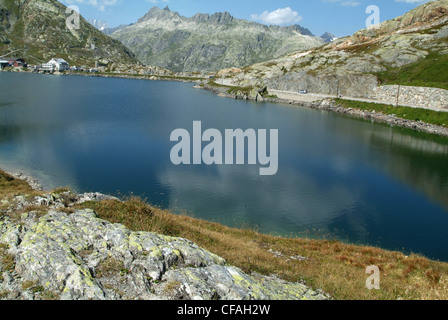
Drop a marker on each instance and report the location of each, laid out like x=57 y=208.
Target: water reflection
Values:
x=294 y=203
x=349 y=179
x=417 y=162
x=417 y=159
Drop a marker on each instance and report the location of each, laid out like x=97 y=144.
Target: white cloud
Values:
x=278 y=17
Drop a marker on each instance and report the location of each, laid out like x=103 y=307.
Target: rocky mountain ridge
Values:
x=328 y=37
x=207 y=42
x=36 y=31
x=351 y=65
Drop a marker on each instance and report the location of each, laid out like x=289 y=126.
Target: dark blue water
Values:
x=338 y=177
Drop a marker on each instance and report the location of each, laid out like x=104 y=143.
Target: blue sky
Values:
x=340 y=17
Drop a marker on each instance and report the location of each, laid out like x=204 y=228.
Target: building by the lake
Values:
x=56 y=64
x=12 y=62
x=3 y=63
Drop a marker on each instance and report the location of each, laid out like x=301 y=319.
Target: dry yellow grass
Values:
x=337 y=268
x=10 y=185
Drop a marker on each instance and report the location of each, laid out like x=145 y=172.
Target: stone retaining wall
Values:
x=349 y=85
x=433 y=98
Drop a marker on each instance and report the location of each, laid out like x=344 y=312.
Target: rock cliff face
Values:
x=355 y=61
x=209 y=42
x=36 y=30
x=48 y=253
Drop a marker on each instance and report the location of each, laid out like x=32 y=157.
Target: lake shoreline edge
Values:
x=331 y=106
x=328 y=105
x=101 y=206
x=359 y=249
x=51 y=230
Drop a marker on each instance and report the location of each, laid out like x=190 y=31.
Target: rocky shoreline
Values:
x=329 y=105
x=33 y=182
x=50 y=250
x=139 y=77
x=135 y=76
x=326 y=105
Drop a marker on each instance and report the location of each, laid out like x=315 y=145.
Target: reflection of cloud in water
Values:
x=287 y=202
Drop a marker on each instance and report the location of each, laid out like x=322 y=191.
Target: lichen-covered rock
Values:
x=230 y=283
x=80 y=256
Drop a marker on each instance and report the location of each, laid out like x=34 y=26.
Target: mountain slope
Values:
x=209 y=42
x=355 y=65
x=37 y=29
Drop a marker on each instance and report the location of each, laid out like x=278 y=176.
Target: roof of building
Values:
x=57 y=60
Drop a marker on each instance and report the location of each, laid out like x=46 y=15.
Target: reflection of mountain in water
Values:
x=415 y=158
x=358 y=181
x=416 y=161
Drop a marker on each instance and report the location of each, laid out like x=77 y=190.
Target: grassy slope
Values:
x=335 y=267
x=439 y=118
x=10 y=186
x=24 y=35
x=429 y=72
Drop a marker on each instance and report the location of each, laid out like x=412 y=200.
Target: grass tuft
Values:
x=335 y=267
x=439 y=118
x=431 y=71
x=10 y=185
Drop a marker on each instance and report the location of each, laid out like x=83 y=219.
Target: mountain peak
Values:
x=216 y=18
x=221 y=18
x=99 y=24
x=166 y=14
x=210 y=42
x=328 y=37
x=159 y=14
